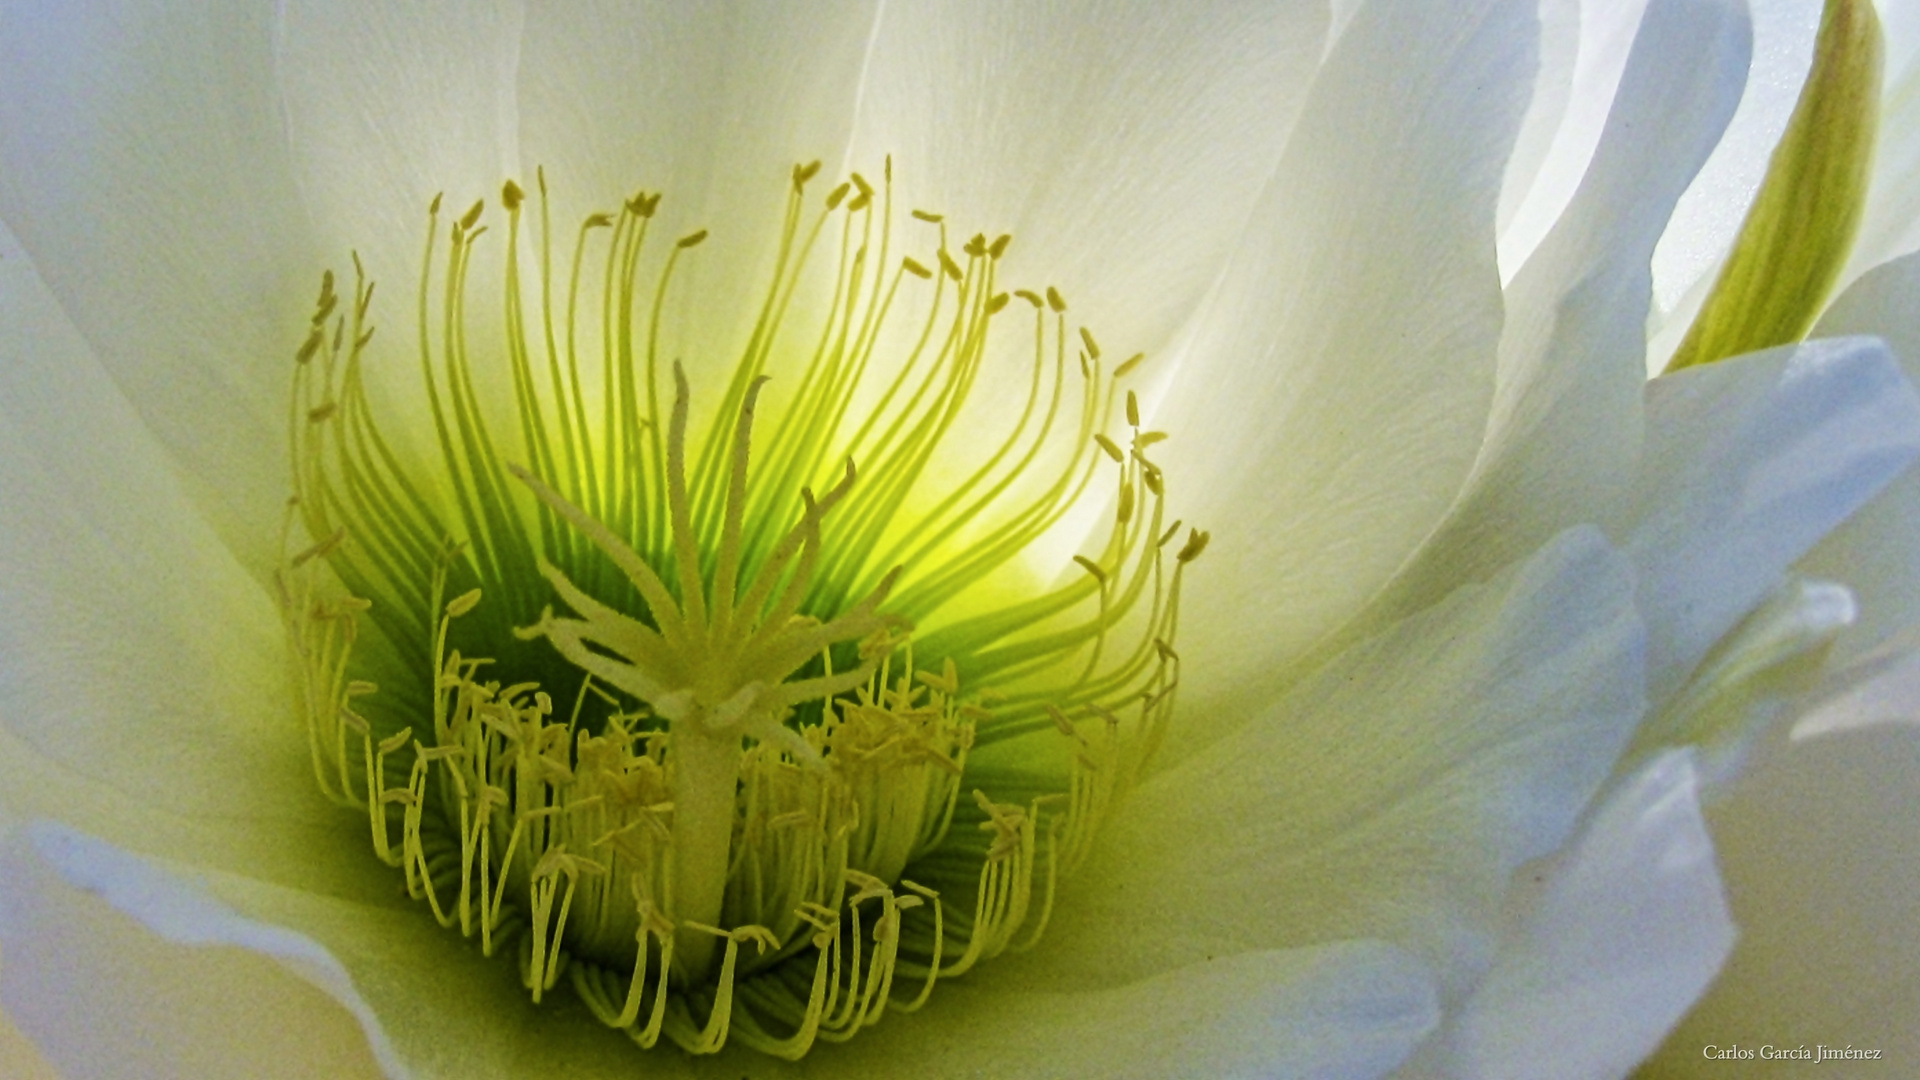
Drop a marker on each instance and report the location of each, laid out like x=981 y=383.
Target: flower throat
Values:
x=804 y=737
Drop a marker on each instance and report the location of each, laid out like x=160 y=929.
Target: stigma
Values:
x=723 y=684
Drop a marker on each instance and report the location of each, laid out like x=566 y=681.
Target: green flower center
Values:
x=785 y=760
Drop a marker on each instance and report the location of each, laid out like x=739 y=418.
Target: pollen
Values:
x=719 y=680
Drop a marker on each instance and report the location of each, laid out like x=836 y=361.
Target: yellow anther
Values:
x=1126 y=368
x=732 y=726
x=1133 y=409
x=463 y=603
x=1091 y=567
x=311 y=346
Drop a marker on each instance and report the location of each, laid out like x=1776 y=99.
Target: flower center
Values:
x=786 y=760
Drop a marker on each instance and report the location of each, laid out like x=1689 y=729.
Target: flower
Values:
x=1423 y=658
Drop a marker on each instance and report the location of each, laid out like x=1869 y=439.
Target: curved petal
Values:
x=1585 y=47
x=1354 y=1009
x=1566 y=422
x=386 y=105
x=1346 y=1011
x=1611 y=942
x=1749 y=462
x=142 y=165
x=1341 y=369
x=710 y=105
x=1391 y=795
x=1816 y=845
x=1709 y=215
x=1122 y=144
x=1878 y=549
x=144 y=685
x=117 y=970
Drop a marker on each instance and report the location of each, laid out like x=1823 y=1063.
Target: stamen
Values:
x=761 y=818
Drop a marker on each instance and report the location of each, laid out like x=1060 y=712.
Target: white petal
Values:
x=1710 y=213
x=1350 y=1010
x=1609 y=946
x=1354 y=1009
x=385 y=106
x=1121 y=144
x=1342 y=369
x=144 y=170
x=144 y=684
x=1566 y=420
x=1391 y=795
x=688 y=100
x=1585 y=46
x=1749 y=462
x=1877 y=551
x=116 y=969
x=710 y=105
x=1755 y=674
x=1816 y=846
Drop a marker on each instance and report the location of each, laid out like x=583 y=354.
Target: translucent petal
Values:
x=1584 y=51
x=710 y=105
x=1709 y=214
x=1121 y=144
x=1566 y=421
x=386 y=105
x=1354 y=1009
x=1391 y=795
x=116 y=969
x=1748 y=464
x=1816 y=846
x=143 y=165
x=1351 y=1010
x=1350 y=342
x=144 y=687
x=1878 y=549
x=1610 y=942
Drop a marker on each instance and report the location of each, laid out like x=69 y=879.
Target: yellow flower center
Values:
x=784 y=760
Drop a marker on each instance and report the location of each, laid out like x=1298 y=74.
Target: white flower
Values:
x=1446 y=586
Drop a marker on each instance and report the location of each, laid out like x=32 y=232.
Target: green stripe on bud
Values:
x=1801 y=227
